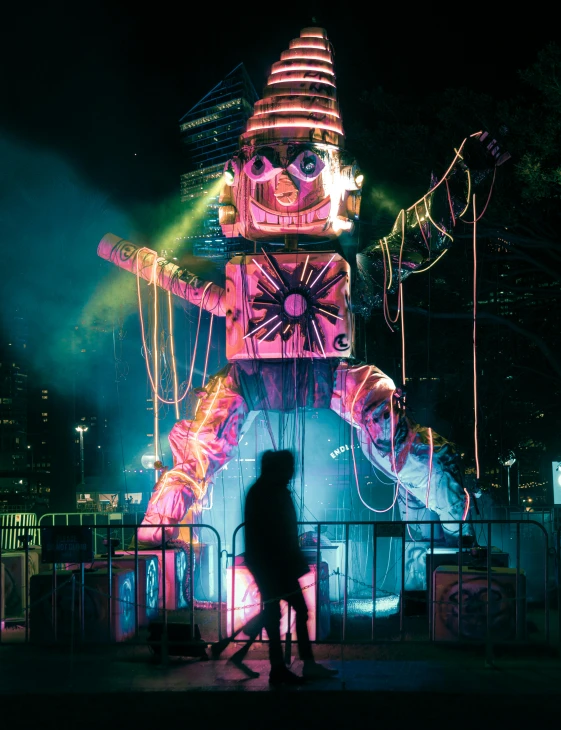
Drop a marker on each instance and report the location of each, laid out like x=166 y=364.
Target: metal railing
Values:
x=361 y=585
x=369 y=581
x=69 y=601
x=20 y=523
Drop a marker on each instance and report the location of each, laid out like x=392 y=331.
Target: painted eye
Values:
x=260 y=168
x=306 y=166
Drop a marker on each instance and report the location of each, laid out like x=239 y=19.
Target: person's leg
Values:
x=252 y=630
x=297 y=602
x=312 y=670
x=279 y=674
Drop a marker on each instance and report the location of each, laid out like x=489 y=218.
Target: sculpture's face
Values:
x=295 y=188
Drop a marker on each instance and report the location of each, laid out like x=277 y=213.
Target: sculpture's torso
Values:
x=289 y=304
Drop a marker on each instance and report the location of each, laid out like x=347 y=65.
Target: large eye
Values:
x=260 y=167
x=306 y=165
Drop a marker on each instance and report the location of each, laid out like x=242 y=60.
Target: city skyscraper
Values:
x=210 y=133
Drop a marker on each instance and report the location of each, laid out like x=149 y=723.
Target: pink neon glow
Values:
x=208 y=346
x=295 y=107
x=196 y=342
x=300 y=77
x=431 y=450
x=475 y=403
x=269 y=332
x=244 y=602
x=466 y=510
x=261 y=324
x=256 y=123
x=324 y=268
x=209 y=410
x=304 y=269
x=266 y=274
x=319 y=338
x=312 y=54
x=331 y=314
x=402 y=309
x=319 y=66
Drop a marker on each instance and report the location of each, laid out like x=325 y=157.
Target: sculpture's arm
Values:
x=424 y=232
x=153 y=268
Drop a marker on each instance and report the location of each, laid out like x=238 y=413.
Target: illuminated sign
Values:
x=340 y=449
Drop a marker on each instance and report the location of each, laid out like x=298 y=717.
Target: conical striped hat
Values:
x=300 y=98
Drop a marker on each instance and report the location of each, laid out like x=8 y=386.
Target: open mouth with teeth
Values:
x=302 y=221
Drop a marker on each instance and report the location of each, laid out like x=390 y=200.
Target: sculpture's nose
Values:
x=286 y=191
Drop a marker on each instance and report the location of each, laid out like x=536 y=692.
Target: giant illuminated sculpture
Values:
x=289 y=320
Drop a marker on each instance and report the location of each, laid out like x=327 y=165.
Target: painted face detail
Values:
x=286 y=189
x=291 y=176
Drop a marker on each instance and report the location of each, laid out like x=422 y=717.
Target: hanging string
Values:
x=393 y=459
x=403 y=376
x=475 y=404
x=156 y=361
x=208 y=346
x=197 y=338
x=173 y=360
x=153 y=377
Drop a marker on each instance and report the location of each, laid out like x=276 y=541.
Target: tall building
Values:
x=13 y=409
x=210 y=133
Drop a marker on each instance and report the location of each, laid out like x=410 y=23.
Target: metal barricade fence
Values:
x=122 y=524
x=21 y=521
x=65 y=587
x=366 y=574
x=470 y=598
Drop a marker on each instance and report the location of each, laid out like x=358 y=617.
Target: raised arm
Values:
x=154 y=269
x=425 y=231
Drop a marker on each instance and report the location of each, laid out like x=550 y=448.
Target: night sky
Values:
x=104 y=85
x=92 y=95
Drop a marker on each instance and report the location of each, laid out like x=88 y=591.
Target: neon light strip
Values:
x=197 y=338
x=319 y=338
x=329 y=313
x=401 y=310
x=458 y=156
x=260 y=339
x=210 y=407
x=250 y=334
x=323 y=67
x=431 y=450
x=321 y=272
x=419 y=223
x=386 y=251
x=208 y=346
x=304 y=269
x=197 y=445
x=266 y=274
x=372 y=509
x=302 y=77
x=278 y=108
x=156 y=358
x=255 y=124
x=420 y=271
x=438 y=228
x=173 y=361
x=466 y=510
x=475 y=404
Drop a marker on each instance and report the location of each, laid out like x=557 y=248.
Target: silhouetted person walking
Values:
x=274 y=557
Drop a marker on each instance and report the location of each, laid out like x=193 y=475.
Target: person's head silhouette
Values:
x=277 y=466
